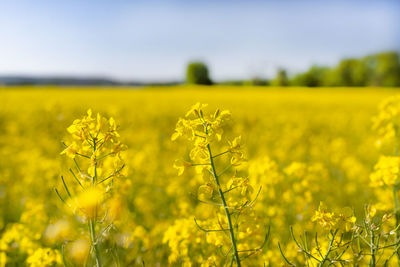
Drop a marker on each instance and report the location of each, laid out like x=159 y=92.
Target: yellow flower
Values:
x=215 y=239
x=118 y=147
x=79 y=250
x=205 y=191
x=88 y=201
x=181 y=165
x=44 y=257
x=71 y=150
x=186 y=128
x=386 y=171
x=326 y=219
x=371 y=211
x=196 y=109
x=3 y=259
x=237 y=158
x=57 y=232
x=346 y=219
x=235 y=145
x=342 y=220
x=199 y=153
x=115 y=206
x=242 y=184
x=387 y=123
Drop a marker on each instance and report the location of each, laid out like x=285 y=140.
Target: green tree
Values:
x=256 y=82
x=197 y=73
x=374 y=70
x=350 y=72
x=314 y=77
x=281 y=78
x=383 y=69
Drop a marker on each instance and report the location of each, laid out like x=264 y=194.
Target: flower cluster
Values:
x=229 y=198
x=96 y=151
x=95 y=139
x=203 y=129
x=44 y=257
x=342 y=220
x=387 y=121
x=386 y=171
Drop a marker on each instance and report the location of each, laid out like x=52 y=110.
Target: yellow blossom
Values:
x=181 y=165
x=205 y=191
x=386 y=171
x=325 y=218
x=79 y=250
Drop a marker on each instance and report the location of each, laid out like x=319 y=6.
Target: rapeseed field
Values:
x=199 y=176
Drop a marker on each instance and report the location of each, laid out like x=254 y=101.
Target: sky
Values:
x=154 y=40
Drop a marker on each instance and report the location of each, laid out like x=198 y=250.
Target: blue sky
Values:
x=154 y=40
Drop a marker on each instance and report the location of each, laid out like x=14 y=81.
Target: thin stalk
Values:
x=116 y=258
x=92 y=221
x=95 y=164
x=284 y=257
x=63 y=255
x=220 y=154
x=329 y=249
x=372 y=263
x=301 y=248
x=92 y=225
x=228 y=215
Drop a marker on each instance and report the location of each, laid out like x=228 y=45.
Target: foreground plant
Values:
x=95 y=149
x=332 y=247
x=375 y=240
x=386 y=175
x=232 y=197
x=344 y=242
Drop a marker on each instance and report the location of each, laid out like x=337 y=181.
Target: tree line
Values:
x=382 y=69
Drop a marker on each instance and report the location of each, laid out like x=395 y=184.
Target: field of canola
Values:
x=258 y=177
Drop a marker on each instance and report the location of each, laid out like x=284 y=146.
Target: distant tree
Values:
x=256 y=82
x=383 y=69
x=314 y=77
x=374 y=70
x=197 y=73
x=349 y=72
x=281 y=78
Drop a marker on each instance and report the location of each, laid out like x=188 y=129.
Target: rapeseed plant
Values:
x=96 y=152
x=377 y=233
x=334 y=246
x=387 y=170
x=234 y=197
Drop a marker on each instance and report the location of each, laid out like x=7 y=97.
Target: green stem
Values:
x=373 y=260
x=94 y=181
x=92 y=225
x=329 y=249
x=220 y=154
x=228 y=215
x=92 y=221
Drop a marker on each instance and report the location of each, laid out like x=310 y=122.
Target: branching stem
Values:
x=228 y=215
x=326 y=257
x=373 y=250
x=92 y=221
